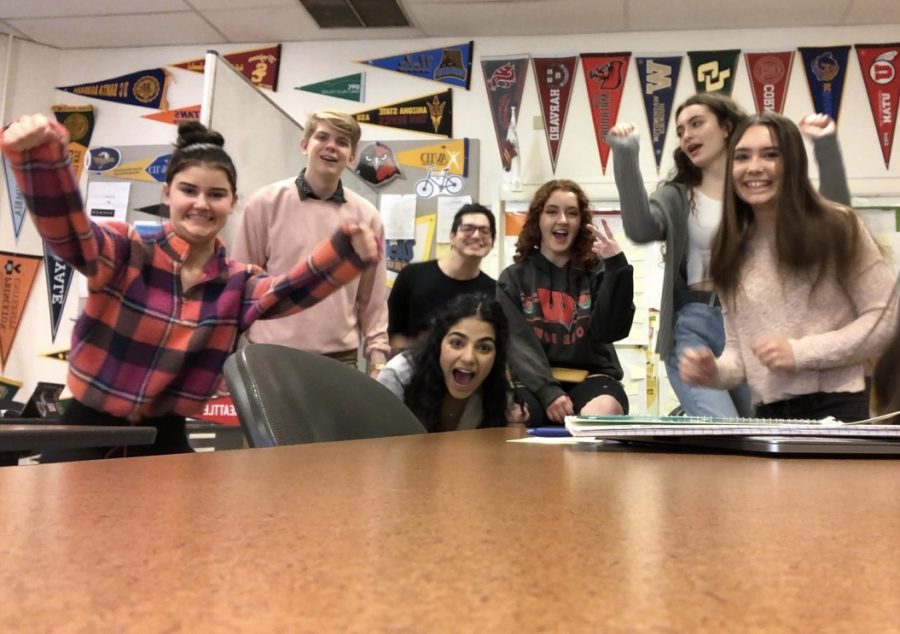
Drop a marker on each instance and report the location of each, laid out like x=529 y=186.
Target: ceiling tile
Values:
x=652 y=15
x=117 y=31
x=63 y=8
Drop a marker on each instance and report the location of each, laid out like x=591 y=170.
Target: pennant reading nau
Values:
x=259 y=65
x=878 y=63
x=769 y=73
x=79 y=123
x=826 y=69
x=59 y=279
x=17 y=273
x=713 y=71
x=554 y=77
x=176 y=116
x=349 y=87
x=448 y=64
x=431 y=114
x=504 y=79
x=604 y=75
x=16 y=199
x=145 y=88
x=658 y=77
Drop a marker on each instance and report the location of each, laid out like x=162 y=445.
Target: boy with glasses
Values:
x=424 y=287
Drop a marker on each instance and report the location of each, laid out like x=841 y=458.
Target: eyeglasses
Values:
x=468 y=230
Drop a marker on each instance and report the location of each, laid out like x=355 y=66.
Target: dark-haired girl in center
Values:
x=163 y=311
x=456 y=377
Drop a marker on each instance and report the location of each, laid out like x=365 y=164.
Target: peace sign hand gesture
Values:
x=605 y=245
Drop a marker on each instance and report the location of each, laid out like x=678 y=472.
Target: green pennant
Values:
x=713 y=71
x=349 y=87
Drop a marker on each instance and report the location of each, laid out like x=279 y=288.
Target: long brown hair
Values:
x=729 y=115
x=812 y=234
x=581 y=258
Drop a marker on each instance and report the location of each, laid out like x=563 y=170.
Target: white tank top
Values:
x=703 y=221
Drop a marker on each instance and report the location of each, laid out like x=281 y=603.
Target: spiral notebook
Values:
x=683 y=426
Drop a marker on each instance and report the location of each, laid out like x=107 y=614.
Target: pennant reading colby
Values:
x=879 y=65
x=176 y=116
x=658 y=77
x=259 y=65
x=349 y=87
x=604 y=75
x=16 y=199
x=713 y=71
x=79 y=123
x=769 y=73
x=826 y=69
x=59 y=279
x=448 y=64
x=145 y=88
x=17 y=273
x=431 y=114
x=554 y=77
x=504 y=79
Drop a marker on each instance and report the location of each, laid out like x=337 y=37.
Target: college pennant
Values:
x=148 y=170
x=16 y=199
x=59 y=355
x=770 y=73
x=145 y=88
x=59 y=279
x=879 y=65
x=554 y=77
x=259 y=65
x=349 y=87
x=8 y=388
x=826 y=68
x=452 y=156
x=219 y=410
x=604 y=76
x=431 y=114
x=658 y=77
x=448 y=64
x=17 y=273
x=79 y=123
x=713 y=71
x=176 y=116
x=504 y=79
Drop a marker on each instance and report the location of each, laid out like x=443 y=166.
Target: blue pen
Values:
x=549 y=432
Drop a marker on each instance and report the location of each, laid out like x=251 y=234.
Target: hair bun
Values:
x=193 y=132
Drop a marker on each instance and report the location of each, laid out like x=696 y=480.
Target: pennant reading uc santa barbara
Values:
x=145 y=88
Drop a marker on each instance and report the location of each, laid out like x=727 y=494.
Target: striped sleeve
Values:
x=332 y=264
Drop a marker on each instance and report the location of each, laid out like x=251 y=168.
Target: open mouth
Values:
x=463 y=377
x=560 y=235
x=693 y=148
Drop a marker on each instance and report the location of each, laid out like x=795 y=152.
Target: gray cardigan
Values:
x=664 y=216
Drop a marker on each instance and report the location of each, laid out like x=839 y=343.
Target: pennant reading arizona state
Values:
x=17 y=273
x=504 y=79
x=658 y=77
x=448 y=64
x=604 y=74
x=145 y=88
x=554 y=77
x=826 y=69
x=769 y=73
x=432 y=114
x=879 y=65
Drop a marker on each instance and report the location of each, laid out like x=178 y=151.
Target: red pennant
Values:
x=554 y=77
x=219 y=410
x=604 y=75
x=878 y=63
x=769 y=77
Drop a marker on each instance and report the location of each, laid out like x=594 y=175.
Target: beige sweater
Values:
x=832 y=328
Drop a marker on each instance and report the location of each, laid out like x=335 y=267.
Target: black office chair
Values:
x=285 y=396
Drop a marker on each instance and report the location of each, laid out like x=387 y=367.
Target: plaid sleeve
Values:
x=50 y=190
x=332 y=264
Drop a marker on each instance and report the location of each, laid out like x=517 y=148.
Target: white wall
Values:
x=34 y=70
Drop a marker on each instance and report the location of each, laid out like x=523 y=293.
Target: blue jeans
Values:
x=699 y=325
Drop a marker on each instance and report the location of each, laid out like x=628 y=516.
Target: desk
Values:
x=451 y=532
x=36 y=437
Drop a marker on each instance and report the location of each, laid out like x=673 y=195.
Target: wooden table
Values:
x=16 y=439
x=451 y=532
